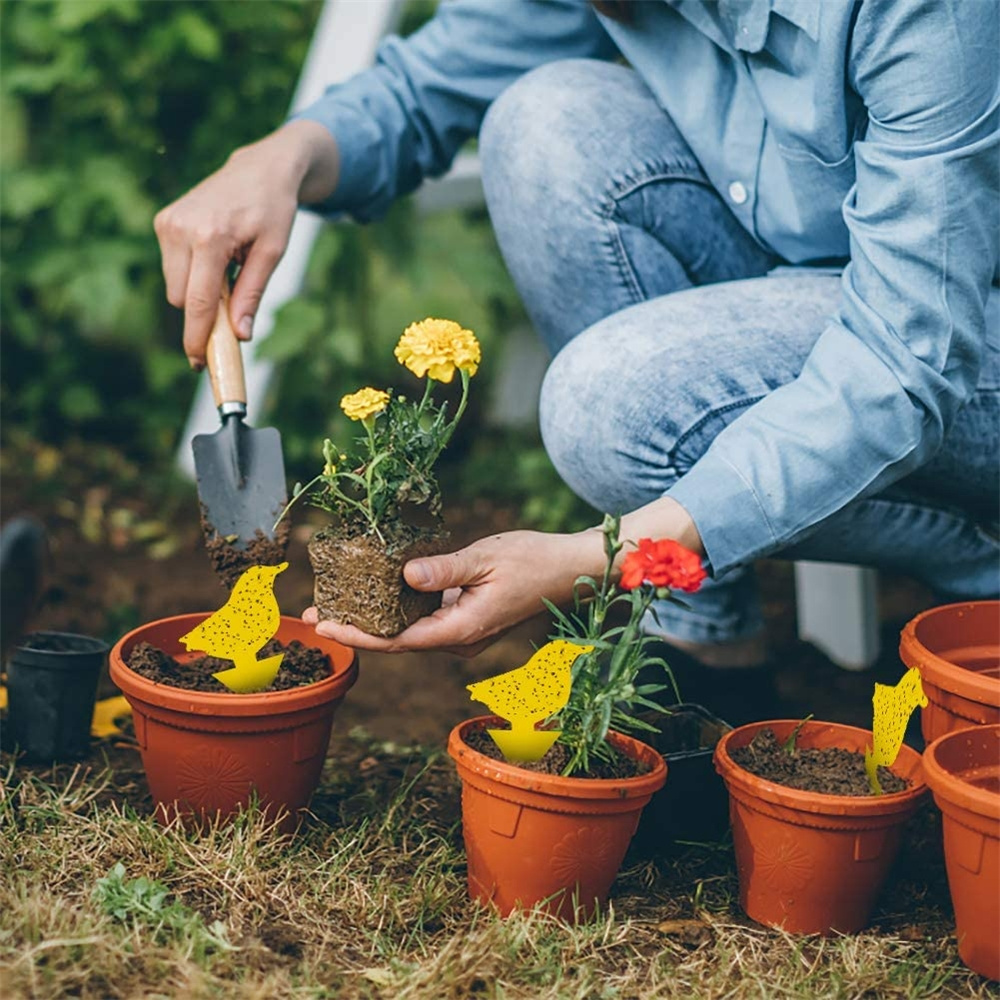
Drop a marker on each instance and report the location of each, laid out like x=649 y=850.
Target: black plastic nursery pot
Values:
x=51 y=688
x=694 y=803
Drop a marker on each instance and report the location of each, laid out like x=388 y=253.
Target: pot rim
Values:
x=231 y=703
x=949 y=786
x=96 y=646
x=555 y=784
x=706 y=715
x=819 y=802
x=940 y=672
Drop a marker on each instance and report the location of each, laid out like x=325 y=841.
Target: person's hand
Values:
x=499 y=582
x=243 y=212
x=489 y=587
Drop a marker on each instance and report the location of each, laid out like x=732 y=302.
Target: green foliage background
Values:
x=110 y=109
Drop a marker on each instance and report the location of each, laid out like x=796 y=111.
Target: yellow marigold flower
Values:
x=436 y=347
x=364 y=403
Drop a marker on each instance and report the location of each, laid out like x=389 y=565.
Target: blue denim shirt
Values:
x=862 y=130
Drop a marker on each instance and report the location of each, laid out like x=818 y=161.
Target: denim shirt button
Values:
x=737 y=192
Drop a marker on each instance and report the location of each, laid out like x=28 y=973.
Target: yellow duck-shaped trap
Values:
x=527 y=695
x=240 y=628
x=893 y=706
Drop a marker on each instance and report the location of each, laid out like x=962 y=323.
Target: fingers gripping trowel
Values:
x=240 y=470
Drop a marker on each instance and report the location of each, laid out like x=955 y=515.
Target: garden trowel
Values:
x=240 y=470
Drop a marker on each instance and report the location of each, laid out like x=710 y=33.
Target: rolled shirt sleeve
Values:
x=406 y=117
x=887 y=376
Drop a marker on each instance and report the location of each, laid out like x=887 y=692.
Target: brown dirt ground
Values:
x=119 y=559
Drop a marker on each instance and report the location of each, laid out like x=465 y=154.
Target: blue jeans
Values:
x=667 y=320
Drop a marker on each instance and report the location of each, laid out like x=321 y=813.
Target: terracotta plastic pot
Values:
x=543 y=840
x=208 y=754
x=807 y=862
x=963 y=771
x=956 y=648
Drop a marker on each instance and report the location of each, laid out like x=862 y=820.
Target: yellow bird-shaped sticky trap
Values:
x=241 y=628
x=529 y=694
x=893 y=706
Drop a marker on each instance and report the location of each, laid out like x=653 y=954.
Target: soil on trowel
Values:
x=359 y=581
x=302 y=665
x=557 y=757
x=828 y=770
x=230 y=561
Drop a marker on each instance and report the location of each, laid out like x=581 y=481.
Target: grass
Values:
x=368 y=901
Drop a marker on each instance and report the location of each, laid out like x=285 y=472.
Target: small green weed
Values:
x=144 y=901
x=789 y=746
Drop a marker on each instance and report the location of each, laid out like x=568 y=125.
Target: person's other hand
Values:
x=489 y=587
x=243 y=212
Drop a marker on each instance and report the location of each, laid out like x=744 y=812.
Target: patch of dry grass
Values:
x=369 y=902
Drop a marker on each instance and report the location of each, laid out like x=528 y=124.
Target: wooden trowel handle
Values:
x=225 y=362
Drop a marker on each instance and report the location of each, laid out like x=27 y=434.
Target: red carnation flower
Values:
x=663 y=563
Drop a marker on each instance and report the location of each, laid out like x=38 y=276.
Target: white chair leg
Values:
x=837 y=611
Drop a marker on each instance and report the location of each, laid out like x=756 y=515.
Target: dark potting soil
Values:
x=555 y=761
x=828 y=770
x=359 y=581
x=230 y=561
x=302 y=665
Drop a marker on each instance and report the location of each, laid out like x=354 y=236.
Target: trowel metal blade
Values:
x=241 y=479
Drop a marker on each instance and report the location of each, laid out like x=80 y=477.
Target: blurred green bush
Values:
x=110 y=109
x=113 y=108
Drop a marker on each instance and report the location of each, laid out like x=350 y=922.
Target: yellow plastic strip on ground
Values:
x=107 y=712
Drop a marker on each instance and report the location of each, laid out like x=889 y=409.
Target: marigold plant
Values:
x=392 y=464
x=604 y=693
